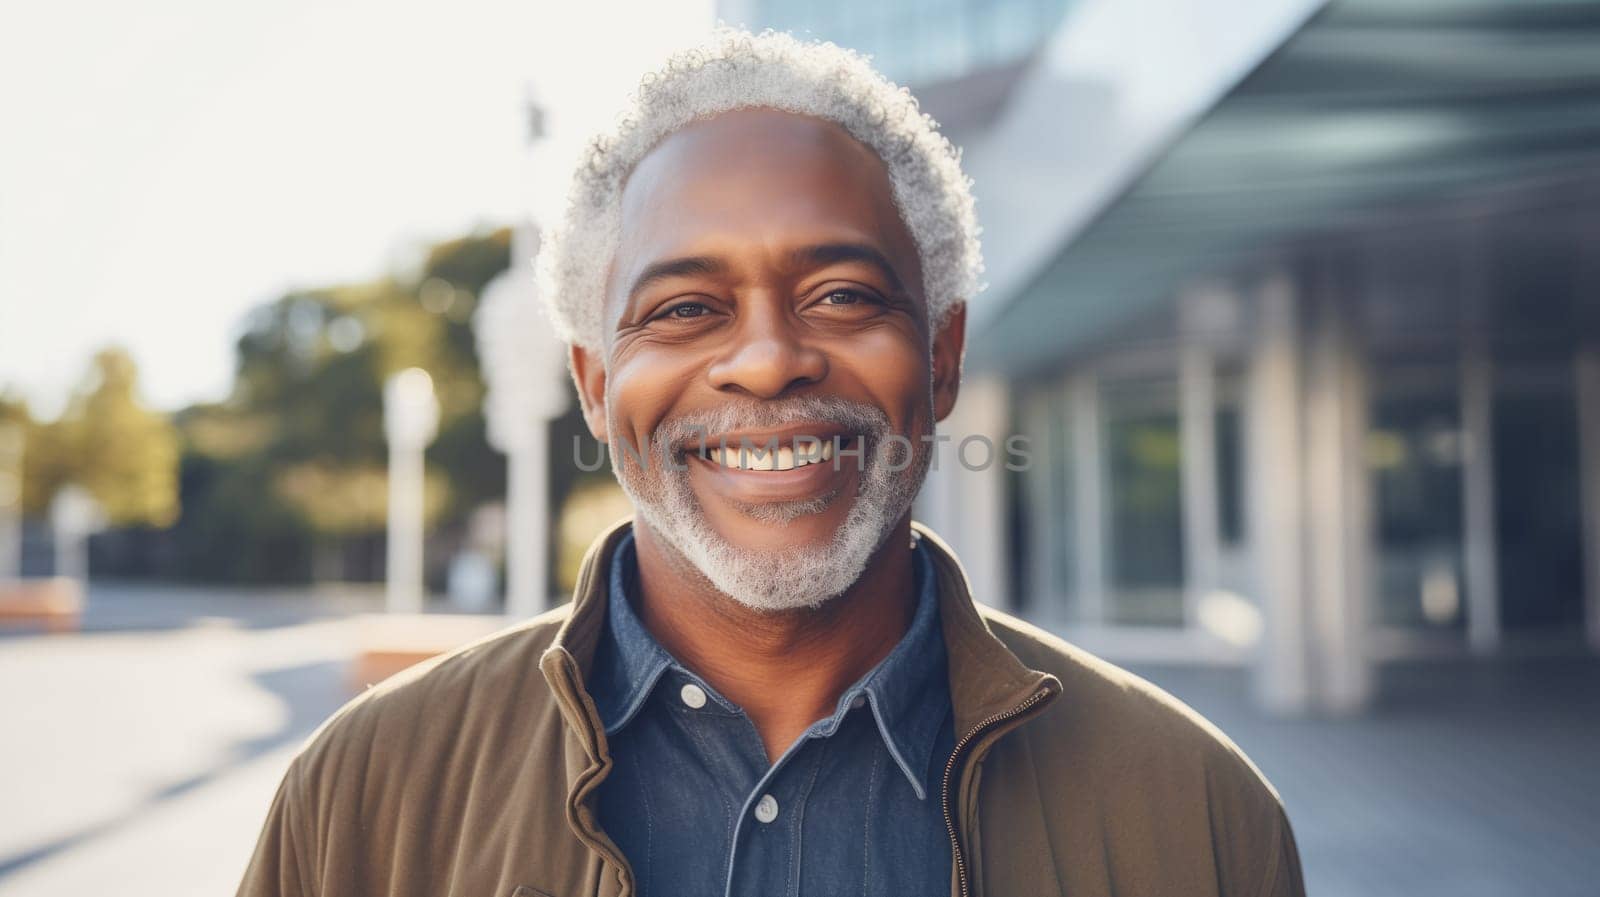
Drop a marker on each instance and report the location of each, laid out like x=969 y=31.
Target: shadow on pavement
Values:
x=312 y=692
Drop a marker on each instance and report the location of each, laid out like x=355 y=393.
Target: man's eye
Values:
x=687 y=310
x=844 y=297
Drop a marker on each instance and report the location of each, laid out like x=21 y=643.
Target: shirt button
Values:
x=766 y=808
x=858 y=702
x=693 y=695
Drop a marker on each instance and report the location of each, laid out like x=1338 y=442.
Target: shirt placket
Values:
x=764 y=858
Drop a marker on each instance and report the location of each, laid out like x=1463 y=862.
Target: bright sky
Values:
x=166 y=165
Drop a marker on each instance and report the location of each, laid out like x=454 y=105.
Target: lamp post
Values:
x=525 y=365
x=74 y=514
x=410 y=421
x=10 y=501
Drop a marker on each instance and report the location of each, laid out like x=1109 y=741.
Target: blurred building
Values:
x=1299 y=304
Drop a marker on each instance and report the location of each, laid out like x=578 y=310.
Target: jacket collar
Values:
x=986 y=678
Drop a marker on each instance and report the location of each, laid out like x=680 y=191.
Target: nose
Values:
x=768 y=357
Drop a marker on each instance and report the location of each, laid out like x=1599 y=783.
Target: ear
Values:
x=589 y=373
x=949 y=346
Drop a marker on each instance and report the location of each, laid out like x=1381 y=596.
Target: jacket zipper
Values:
x=955 y=755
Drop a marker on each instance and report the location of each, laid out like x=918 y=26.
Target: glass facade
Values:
x=1230 y=460
x=1538 y=520
x=1135 y=435
x=1414 y=450
x=915 y=41
x=1419 y=459
x=1144 y=503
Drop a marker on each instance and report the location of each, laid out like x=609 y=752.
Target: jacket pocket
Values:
x=525 y=891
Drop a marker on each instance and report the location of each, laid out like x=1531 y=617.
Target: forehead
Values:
x=759 y=178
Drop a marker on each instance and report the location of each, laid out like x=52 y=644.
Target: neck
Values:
x=785 y=669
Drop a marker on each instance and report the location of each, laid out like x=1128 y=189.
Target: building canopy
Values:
x=1368 y=109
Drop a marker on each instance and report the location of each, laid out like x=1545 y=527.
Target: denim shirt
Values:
x=854 y=806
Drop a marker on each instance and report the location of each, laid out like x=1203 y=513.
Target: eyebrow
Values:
x=835 y=253
x=815 y=256
x=679 y=267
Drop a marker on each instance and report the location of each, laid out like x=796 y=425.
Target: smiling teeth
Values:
x=784 y=458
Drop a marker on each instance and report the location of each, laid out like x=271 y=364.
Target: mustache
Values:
x=689 y=431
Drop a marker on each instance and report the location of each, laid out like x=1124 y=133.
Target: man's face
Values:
x=766 y=291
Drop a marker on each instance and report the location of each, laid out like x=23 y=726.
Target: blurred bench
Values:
x=54 y=605
x=388 y=643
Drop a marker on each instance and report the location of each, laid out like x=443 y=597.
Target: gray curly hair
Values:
x=735 y=69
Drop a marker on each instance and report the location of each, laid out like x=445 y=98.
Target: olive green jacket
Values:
x=475 y=774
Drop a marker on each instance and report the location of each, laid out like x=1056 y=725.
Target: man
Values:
x=771 y=682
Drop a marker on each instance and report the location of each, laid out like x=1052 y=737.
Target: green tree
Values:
x=292 y=463
x=107 y=441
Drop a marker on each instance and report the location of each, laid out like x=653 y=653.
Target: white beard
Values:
x=790 y=578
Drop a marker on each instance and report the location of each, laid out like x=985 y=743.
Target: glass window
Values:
x=920 y=41
x=1229 y=436
x=1414 y=451
x=1538 y=518
x=1144 y=503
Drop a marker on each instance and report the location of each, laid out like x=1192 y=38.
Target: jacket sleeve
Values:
x=278 y=868
x=1283 y=877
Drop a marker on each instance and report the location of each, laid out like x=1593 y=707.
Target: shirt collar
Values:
x=629 y=660
x=908 y=691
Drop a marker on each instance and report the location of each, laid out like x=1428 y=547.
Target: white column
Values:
x=403 y=567
x=1044 y=517
x=1283 y=677
x=1197 y=414
x=11 y=449
x=1338 y=507
x=972 y=513
x=1088 y=496
x=1589 y=475
x=1477 y=491
x=528 y=522
x=74 y=516
x=410 y=420
x=526 y=371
